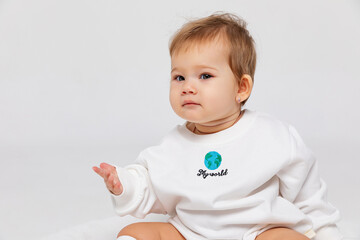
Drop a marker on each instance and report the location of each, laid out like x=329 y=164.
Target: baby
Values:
x=227 y=172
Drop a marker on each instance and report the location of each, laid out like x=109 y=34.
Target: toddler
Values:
x=227 y=172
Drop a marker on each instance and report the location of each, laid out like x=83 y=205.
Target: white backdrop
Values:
x=83 y=82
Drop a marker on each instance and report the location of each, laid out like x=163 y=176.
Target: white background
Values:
x=82 y=82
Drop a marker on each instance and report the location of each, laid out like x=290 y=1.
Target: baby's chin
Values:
x=195 y=117
x=196 y=120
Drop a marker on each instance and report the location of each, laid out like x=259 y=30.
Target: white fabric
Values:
x=328 y=233
x=267 y=177
x=125 y=238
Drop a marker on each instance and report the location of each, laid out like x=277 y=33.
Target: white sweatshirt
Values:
x=233 y=184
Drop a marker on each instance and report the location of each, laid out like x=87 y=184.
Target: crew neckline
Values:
x=236 y=130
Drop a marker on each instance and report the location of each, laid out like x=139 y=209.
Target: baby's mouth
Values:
x=190 y=104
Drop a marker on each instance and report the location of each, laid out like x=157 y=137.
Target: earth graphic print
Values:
x=213 y=160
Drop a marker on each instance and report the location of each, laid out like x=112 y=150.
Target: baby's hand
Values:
x=111 y=179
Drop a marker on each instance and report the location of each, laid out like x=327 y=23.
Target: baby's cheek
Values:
x=221 y=106
x=218 y=100
x=174 y=100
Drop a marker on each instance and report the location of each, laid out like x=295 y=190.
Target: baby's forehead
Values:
x=196 y=55
x=210 y=44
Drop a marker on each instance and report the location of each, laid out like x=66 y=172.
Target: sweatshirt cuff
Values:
x=330 y=232
x=125 y=202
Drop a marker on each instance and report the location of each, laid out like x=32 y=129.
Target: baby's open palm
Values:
x=111 y=179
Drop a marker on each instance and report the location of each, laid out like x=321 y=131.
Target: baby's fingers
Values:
x=105 y=170
x=107 y=167
x=99 y=171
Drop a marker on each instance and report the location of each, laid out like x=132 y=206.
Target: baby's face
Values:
x=203 y=88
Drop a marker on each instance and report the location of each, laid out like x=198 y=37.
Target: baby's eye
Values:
x=205 y=76
x=179 y=78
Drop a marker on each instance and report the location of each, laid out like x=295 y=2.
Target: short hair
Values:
x=227 y=26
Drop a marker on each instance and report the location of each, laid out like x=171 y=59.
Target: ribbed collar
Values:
x=223 y=136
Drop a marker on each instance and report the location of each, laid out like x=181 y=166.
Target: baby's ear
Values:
x=245 y=86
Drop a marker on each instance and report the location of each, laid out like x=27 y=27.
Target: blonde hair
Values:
x=227 y=26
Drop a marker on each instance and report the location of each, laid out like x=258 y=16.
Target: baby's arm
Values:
x=111 y=179
x=301 y=184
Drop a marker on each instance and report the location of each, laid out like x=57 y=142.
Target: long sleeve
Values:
x=301 y=184
x=138 y=198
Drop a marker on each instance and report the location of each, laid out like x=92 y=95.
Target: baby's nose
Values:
x=189 y=88
x=188 y=91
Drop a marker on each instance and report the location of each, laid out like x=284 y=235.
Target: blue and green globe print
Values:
x=213 y=160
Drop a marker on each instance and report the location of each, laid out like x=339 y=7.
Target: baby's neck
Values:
x=215 y=126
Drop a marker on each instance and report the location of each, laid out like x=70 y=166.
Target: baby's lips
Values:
x=189 y=103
